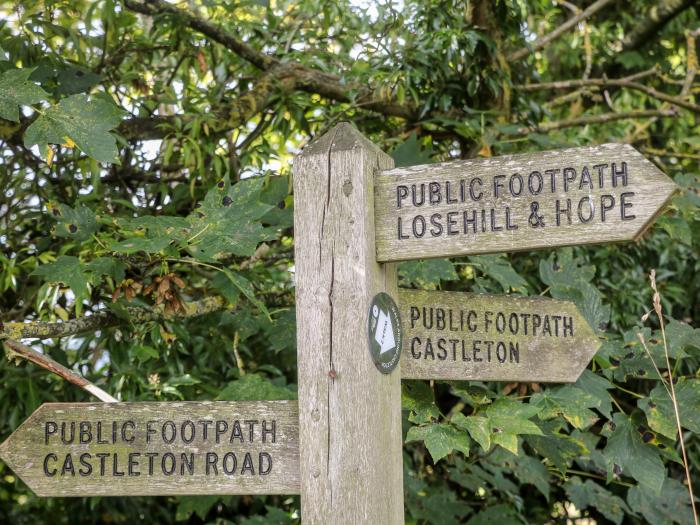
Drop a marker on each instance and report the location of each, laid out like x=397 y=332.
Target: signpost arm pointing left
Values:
x=349 y=412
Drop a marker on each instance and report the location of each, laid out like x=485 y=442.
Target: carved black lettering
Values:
x=624 y=205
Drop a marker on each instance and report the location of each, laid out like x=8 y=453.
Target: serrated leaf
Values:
x=498 y=267
x=73 y=80
x=590 y=494
x=17 y=90
x=418 y=397
x=109 y=266
x=411 y=152
x=671 y=505
x=508 y=419
x=199 y=505
x=253 y=387
x=228 y=221
x=625 y=452
x=560 y=449
x=140 y=244
x=427 y=273
x=531 y=470
x=478 y=428
x=502 y=514
x=570 y=402
x=77 y=223
x=440 y=439
x=69 y=271
x=658 y=408
x=597 y=386
x=86 y=121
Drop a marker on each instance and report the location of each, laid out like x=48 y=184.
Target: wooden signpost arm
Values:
x=349 y=412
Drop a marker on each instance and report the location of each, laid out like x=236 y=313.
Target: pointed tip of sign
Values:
x=341 y=137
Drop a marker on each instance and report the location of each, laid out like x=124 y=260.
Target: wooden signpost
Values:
x=151 y=449
x=464 y=336
x=586 y=195
x=340 y=445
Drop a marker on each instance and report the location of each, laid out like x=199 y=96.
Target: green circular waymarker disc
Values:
x=384 y=332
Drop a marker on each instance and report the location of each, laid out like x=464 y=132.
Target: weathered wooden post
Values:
x=349 y=412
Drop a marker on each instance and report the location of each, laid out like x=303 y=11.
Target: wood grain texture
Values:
x=350 y=413
x=28 y=448
x=507 y=214
x=461 y=336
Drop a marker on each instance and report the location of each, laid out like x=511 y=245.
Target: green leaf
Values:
x=228 y=221
x=253 y=387
x=570 y=402
x=222 y=284
x=440 y=439
x=77 y=223
x=627 y=454
x=109 y=266
x=671 y=505
x=598 y=387
x=658 y=408
x=498 y=267
x=677 y=228
x=246 y=288
x=418 y=397
x=73 y=80
x=410 y=153
x=86 y=121
x=199 y=505
x=143 y=353
x=140 y=244
x=17 y=90
x=560 y=449
x=530 y=470
x=506 y=419
x=502 y=514
x=427 y=273
x=590 y=494
x=478 y=428
x=69 y=271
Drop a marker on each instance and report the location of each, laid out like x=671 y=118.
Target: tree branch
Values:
x=248 y=53
x=559 y=31
x=103 y=319
x=604 y=82
x=546 y=127
x=306 y=79
x=657 y=17
x=16 y=349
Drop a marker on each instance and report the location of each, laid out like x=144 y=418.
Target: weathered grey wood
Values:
x=350 y=413
x=27 y=449
x=559 y=355
x=633 y=202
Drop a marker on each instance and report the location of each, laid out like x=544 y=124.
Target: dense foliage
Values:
x=146 y=152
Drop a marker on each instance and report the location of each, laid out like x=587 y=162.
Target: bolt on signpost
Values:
x=358 y=335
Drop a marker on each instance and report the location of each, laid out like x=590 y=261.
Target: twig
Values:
x=17 y=349
x=611 y=82
x=676 y=411
x=559 y=31
x=595 y=119
x=237 y=355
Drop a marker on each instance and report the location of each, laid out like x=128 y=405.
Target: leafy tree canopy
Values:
x=147 y=238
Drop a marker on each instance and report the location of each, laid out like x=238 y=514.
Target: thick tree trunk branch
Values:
x=559 y=31
x=101 y=320
x=18 y=350
x=603 y=82
x=657 y=17
x=302 y=77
